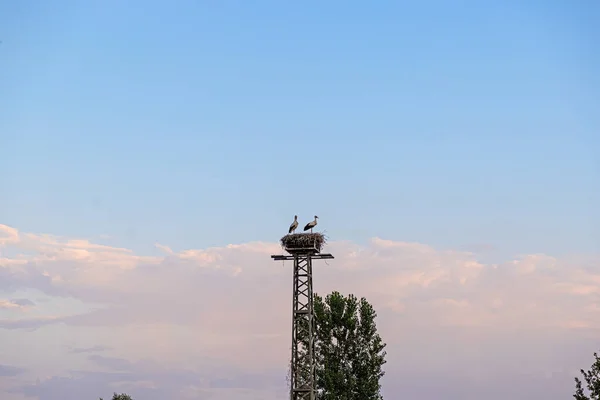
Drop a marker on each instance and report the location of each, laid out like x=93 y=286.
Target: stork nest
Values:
x=296 y=241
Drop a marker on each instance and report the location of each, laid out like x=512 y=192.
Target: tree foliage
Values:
x=592 y=382
x=349 y=352
x=121 y=396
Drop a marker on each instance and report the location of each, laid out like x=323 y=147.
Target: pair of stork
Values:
x=308 y=226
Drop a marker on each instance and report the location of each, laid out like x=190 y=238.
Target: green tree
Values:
x=349 y=352
x=121 y=396
x=592 y=381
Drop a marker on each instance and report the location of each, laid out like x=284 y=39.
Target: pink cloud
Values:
x=439 y=310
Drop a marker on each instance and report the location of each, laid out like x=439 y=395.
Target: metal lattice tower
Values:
x=303 y=323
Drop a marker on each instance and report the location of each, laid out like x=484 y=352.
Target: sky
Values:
x=153 y=153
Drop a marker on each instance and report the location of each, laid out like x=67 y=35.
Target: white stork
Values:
x=311 y=224
x=294 y=224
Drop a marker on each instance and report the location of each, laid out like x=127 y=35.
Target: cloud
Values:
x=445 y=315
x=28 y=323
x=92 y=349
x=23 y=302
x=9 y=304
x=8 y=235
x=112 y=363
x=7 y=370
x=165 y=249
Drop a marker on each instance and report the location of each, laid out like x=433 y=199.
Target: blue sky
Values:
x=200 y=124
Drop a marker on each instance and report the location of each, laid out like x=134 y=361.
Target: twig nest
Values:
x=297 y=241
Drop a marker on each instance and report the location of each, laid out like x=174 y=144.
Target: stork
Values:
x=294 y=224
x=311 y=224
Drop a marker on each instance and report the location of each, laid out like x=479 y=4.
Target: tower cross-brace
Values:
x=302 y=376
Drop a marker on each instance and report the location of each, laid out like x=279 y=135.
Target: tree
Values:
x=121 y=396
x=592 y=380
x=349 y=353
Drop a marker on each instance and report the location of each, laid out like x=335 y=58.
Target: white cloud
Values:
x=165 y=249
x=8 y=304
x=441 y=312
x=8 y=235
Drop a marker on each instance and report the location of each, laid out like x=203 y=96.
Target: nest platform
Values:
x=302 y=243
